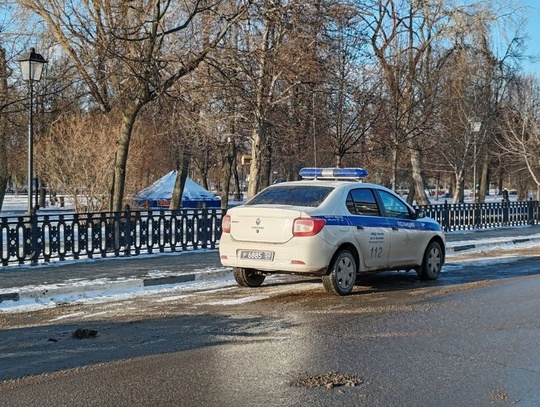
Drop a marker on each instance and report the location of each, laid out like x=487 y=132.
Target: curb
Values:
x=118 y=286
x=456 y=249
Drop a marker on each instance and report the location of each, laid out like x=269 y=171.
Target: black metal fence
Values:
x=469 y=216
x=46 y=238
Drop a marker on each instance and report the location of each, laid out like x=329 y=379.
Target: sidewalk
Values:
x=116 y=275
x=477 y=239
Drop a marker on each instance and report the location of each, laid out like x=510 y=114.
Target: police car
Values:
x=332 y=225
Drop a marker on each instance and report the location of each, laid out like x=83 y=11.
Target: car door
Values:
x=371 y=230
x=406 y=243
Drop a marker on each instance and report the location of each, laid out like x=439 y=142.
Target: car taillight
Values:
x=307 y=226
x=226 y=224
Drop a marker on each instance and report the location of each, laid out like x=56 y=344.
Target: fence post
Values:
x=127 y=231
x=505 y=212
x=477 y=222
x=204 y=227
x=446 y=216
x=530 y=211
x=34 y=231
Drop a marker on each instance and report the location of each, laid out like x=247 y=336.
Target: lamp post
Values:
x=475 y=126
x=31 y=67
x=313 y=125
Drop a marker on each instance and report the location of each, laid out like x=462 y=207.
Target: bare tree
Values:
x=79 y=172
x=133 y=53
x=520 y=142
x=264 y=70
x=353 y=101
x=410 y=41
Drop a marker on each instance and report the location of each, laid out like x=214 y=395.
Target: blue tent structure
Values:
x=159 y=194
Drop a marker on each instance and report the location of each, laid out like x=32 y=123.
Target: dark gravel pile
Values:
x=329 y=380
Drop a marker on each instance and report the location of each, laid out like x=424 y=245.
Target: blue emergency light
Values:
x=333 y=173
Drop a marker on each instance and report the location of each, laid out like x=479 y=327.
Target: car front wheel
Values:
x=342 y=275
x=248 y=277
x=432 y=262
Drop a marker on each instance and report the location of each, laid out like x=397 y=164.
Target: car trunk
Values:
x=263 y=224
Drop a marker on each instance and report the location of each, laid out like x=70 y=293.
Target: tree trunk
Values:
x=180 y=181
x=258 y=140
x=122 y=148
x=227 y=174
x=412 y=193
x=266 y=164
x=393 y=180
x=484 y=180
x=42 y=194
x=419 y=186
x=238 y=191
x=459 y=191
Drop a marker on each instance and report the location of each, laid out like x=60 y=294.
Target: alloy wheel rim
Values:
x=345 y=273
x=434 y=260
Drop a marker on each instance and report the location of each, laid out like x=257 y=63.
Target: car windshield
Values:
x=303 y=195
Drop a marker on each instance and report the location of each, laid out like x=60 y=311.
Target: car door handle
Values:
x=360 y=227
x=395 y=228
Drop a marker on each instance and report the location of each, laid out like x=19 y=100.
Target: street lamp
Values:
x=475 y=125
x=31 y=68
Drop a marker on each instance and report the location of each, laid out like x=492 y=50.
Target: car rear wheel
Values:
x=432 y=262
x=248 y=277
x=342 y=275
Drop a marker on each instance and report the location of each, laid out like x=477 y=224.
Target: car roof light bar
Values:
x=333 y=173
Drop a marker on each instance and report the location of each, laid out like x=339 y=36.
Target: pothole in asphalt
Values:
x=329 y=380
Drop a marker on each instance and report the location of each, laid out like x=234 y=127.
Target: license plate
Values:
x=256 y=255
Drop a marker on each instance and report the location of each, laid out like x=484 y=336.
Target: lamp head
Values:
x=32 y=65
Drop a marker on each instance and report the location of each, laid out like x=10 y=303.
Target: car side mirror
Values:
x=420 y=213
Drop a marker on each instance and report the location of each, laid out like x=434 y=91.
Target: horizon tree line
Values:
x=238 y=94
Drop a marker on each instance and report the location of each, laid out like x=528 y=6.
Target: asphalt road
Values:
x=469 y=339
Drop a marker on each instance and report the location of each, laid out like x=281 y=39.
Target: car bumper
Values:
x=302 y=255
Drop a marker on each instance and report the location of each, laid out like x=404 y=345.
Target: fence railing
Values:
x=469 y=216
x=46 y=238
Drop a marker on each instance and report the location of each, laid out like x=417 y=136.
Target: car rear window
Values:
x=292 y=195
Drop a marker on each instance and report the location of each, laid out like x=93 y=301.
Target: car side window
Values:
x=393 y=207
x=361 y=201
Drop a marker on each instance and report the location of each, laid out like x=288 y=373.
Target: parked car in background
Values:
x=330 y=225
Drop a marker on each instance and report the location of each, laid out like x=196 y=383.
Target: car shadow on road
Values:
x=453 y=273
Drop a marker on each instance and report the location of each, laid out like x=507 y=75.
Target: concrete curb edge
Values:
x=184 y=278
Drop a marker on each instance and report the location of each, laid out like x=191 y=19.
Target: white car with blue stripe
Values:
x=330 y=225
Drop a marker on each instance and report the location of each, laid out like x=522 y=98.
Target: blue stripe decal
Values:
x=378 y=221
x=335 y=220
x=413 y=224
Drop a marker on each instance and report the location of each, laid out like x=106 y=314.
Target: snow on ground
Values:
x=492 y=242
x=80 y=293
x=100 y=291
x=16 y=205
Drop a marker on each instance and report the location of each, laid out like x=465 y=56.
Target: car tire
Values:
x=431 y=263
x=248 y=277
x=342 y=276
